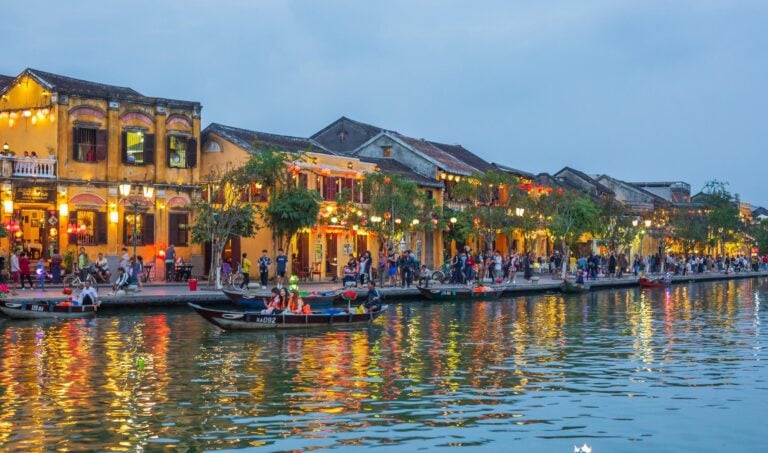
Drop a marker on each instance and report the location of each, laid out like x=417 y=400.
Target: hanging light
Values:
x=334 y=220
x=648 y=223
x=148 y=191
x=634 y=222
x=113 y=216
x=8 y=206
x=454 y=220
x=63 y=209
x=398 y=221
x=125 y=188
x=415 y=221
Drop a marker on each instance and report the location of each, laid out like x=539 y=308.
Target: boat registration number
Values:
x=264 y=320
x=38 y=308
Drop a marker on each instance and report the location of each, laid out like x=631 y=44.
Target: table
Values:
x=147 y=273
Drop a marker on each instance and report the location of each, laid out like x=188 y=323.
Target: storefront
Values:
x=30 y=214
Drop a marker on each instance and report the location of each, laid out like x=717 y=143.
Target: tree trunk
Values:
x=566 y=259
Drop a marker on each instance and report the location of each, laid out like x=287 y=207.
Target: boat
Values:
x=569 y=287
x=463 y=292
x=646 y=282
x=41 y=310
x=233 y=320
x=255 y=302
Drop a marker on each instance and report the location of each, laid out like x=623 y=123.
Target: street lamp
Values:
x=648 y=223
x=135 y=200
x=519 y=212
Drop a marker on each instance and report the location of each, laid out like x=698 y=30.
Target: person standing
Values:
x=382 y=266
x=82 y=264
x=170 y=262
x=25 y=272
x=15 y=271
x=56 y=261
x=281 y=263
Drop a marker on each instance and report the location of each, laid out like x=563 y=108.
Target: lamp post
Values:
x=135 y=200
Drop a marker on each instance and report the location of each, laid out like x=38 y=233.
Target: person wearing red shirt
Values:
x=24 y=270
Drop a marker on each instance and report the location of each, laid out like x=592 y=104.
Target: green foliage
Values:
x=458 y=231
x=69 y=260
x=573 y=217
x=759 y=233
x=613 y=225
x=393 y=197
x=722 y=213
x=292 y=209
x=488 y=208
x=689 y=227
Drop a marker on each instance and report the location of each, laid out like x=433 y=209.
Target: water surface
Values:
x=677 y=369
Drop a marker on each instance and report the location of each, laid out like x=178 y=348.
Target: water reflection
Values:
x=625 y=370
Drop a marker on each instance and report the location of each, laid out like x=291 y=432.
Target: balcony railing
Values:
x=28 y=167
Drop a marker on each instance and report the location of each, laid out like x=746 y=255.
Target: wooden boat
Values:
x=233 y=320
x=256 y=302
x=463 y=292
x=40 y=310
x=646 y=282
x=569 y=287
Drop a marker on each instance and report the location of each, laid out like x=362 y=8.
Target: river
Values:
x=676 y=369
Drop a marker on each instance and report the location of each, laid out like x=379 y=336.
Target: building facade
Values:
x=68 y=145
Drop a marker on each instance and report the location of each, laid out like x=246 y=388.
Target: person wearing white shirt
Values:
x=87 y=296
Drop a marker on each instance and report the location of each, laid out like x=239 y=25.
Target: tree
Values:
x=689 y=227
x=574 y=216
x=613 y=225
x=394 y=203
x=487 y=206
x=223 y=216
x=457 y=230
x=722 y=213
x=290 y=210
x=759 y=233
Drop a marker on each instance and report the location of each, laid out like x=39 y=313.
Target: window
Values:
x=89 y=144
x=386 y=151
x=91 y=227
x=145 y=229
x=138 y=148
x=181 y=152
x=178 y=229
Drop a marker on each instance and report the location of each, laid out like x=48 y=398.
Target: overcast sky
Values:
x=640 y=90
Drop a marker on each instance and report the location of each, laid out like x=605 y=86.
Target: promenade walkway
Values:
x=162 y=294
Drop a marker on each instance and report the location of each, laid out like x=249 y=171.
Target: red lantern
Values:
x=522 y=186
x=387 y=180
x=560 y=191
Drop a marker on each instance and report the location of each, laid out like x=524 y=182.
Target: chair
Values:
x=315 y=271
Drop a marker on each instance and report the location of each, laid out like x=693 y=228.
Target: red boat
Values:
x=646 y=282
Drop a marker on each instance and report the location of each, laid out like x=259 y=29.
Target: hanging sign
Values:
x=35 y=195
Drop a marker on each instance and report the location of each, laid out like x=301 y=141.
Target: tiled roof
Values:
x=444 y=160
x=394 y=167
x=465 y=155
x=5 y=81
x=371 y=129
x=77 y=87
x=514 y=171
x=590 y=180
x=253 y=141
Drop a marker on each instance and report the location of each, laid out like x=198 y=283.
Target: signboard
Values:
x=35 y=195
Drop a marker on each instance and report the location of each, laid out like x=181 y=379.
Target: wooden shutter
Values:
x=101 y=228
x=72 y=220
x=148 y=229
x=173 y=229
x=191 y=152
x=75 y=141
x=101 y=145
x=124 y=146
x=127 y=234
x=168 y=151
x=330 y=189
x=149 y=149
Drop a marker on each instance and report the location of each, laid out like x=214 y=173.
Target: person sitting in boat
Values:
x=122 y=281
x=296 y=304
x=424 y=276
x=667 y=277
x=272 y=302
x=87 y=296
x=580 y=277
x=373 y=301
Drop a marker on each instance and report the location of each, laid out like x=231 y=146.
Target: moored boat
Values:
x=463 y=292
x=569 y=287
x=646 y=282
x=256 y=302
x=40 y=310
x=233 y=320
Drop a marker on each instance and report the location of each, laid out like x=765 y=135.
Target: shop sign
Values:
x=35 y=195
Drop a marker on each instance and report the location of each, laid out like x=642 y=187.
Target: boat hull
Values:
x=648 y=283
x=229 y=320
x=573 y=288
x=253 y=302
x=43 y=310
x=459 y=293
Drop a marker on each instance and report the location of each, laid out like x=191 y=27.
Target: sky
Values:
x=640 y=90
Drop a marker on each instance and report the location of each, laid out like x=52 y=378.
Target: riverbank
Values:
x=162 y=294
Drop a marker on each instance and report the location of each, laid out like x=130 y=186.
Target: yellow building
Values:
x=67 y=146
x=321 y=251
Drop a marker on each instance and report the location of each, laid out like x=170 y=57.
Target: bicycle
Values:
x=234 y=279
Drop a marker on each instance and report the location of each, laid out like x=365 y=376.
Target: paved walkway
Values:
x=162 y=294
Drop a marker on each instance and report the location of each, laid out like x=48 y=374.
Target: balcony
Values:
x=28 y=167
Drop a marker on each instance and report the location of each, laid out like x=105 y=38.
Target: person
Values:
x=170 y=262
x=40 y=272
x=281 y=263
x=264 y=263
x=296 y=304
x=24 y=269
x=137 y=269
x=226 y=269
x=382 y=266
x=87 y=296
x=349 y=276
x=392 y=267
x=424 y=276
x=125 y=259
x=271 y=303
x=82 y=264
x=364 y=268
x=373 y=300
x=102 y=267
x=56 y=262
x=122 y=281
x=15 y=271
